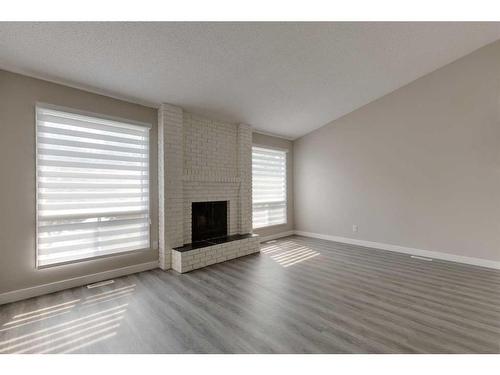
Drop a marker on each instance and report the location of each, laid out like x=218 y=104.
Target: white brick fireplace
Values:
x=201 y=160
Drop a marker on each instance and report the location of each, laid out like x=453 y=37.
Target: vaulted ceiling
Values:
x=282 y=78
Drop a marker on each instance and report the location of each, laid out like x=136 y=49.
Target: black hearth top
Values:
x=213 y=241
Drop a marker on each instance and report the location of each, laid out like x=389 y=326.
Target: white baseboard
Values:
x=406 y=250
x=277 y=235
x=39 y=290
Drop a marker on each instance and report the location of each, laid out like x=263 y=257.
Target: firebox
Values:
x=208 y=220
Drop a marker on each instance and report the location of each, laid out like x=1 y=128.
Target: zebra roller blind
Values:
x=268 y=187
x=92 y=186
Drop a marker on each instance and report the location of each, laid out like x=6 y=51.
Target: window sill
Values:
x=271 y=226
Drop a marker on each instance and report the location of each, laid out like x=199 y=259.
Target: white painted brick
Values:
x=201 y=160
x=215 y=254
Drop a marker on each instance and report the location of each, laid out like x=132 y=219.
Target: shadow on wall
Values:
x=23 y=333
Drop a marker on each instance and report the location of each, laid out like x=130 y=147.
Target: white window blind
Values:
x=92 y=186
x=268 y=187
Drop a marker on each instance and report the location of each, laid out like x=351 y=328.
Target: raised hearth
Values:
x=204 y=253
x=213 y=241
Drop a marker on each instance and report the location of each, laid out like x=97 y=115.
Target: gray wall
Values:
x=18 y=95
x=419 y=167
x=270 y=141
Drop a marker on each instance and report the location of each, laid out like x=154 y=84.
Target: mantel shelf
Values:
x=209 y=178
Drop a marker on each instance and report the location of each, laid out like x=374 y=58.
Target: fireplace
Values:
x=208 y=220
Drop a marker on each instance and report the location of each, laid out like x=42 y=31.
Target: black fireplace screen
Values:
x=209 y=220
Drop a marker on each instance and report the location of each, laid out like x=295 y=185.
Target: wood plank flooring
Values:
x=300 y=295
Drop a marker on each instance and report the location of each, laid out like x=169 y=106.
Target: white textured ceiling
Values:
x=282 y=78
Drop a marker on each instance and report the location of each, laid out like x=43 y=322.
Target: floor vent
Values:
x=102 y=283
x=421 y=258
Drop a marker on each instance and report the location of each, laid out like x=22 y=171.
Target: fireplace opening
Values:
x=209 y=220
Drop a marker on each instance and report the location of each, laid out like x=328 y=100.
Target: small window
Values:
x=268 y=187
x=92 y=186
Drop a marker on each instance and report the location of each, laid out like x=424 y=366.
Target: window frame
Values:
x=286 y=152
x=43 y=105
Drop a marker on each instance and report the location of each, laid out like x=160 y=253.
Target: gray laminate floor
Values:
x=300 y=295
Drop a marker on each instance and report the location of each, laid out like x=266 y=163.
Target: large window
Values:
x=268 y=187
x=92 y=186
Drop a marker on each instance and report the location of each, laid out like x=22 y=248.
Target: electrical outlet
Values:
x=355 y=228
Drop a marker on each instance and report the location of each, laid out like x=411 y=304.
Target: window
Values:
x=92 y=186
x=268 y=187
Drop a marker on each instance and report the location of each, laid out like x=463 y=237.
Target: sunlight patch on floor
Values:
x=288 y=253
x=21 y=334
